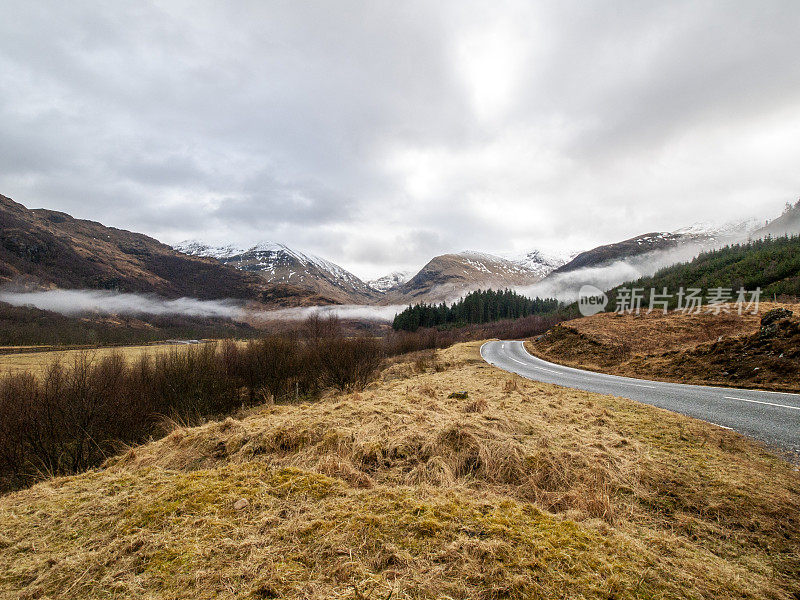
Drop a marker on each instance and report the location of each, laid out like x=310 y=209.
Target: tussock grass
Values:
x=522 y=490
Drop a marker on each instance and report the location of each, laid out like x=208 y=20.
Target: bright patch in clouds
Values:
x=490 y=60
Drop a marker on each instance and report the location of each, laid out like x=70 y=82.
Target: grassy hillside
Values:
x=520 y=490
x=726 y=349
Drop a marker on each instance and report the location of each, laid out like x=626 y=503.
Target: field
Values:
x=519 y=490
x=725 y=349
x=15 y=359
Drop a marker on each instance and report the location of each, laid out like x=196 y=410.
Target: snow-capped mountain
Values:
x=450 y=276
x=692 y=240
x=197 y=248
x=390 y=281
x=725 y=231
x=280 y=265
x=540 y=262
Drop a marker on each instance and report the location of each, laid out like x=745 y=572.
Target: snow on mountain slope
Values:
x=280 y=265
x=390 y=281
x=540 y=262
x=691 y=240
x=731 y=229
x=449 y=276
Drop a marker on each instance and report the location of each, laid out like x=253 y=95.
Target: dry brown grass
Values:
x=38 y=362
x=658 y=346
x=521 y=490
x=657 y=332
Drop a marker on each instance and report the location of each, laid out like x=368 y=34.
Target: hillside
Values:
x=520 y=490
x=727 y=349
x=772 y=264
x=692 y=239
x=450 y=276
x=604 y=255
x=278 y=265
x=44 y=248
x=786 y=224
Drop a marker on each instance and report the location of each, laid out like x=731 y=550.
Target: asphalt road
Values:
x=771 y=417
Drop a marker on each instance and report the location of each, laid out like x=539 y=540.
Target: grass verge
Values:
x=519 y=490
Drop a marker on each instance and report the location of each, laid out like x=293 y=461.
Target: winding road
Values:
x=771 y=417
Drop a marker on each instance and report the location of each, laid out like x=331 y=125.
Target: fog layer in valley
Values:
x=103 y=302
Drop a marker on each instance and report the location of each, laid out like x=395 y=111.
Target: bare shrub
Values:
x=74 y=416
x=348 y=363
x=271 y=366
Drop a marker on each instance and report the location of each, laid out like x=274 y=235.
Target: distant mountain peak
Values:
x=449 y=276
x=390 y=281
x=198 y=248
x=277 y=263
x=727 y=229
x=540 y=262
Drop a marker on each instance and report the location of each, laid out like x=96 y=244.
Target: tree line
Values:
x=481 y=306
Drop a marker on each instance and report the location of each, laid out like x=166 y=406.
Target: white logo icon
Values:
x=591 y=300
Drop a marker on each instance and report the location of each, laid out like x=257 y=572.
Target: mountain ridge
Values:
x=40 y=248
x=277 y=264
x=703 y=235
x=449 y=276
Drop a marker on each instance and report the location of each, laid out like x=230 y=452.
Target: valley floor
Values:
x=519 y=490
x=22 y=359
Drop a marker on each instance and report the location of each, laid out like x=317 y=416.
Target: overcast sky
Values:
x=379 y=134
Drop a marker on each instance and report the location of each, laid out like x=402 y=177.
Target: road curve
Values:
x=771 y=417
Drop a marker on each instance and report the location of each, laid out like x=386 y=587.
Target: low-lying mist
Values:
x=104 y=302
x=565 y=286
x=343 y=311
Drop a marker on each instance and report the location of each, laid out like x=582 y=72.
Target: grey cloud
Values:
x=352 y=129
